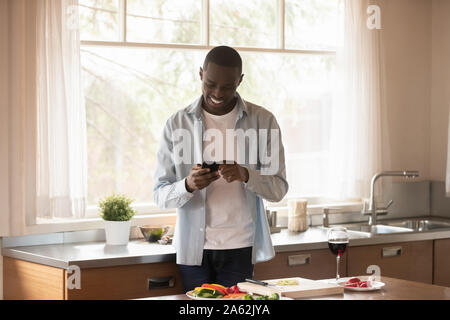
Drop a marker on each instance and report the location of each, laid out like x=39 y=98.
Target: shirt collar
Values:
x=196 y=107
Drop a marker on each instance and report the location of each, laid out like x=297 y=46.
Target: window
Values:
x=140 y=63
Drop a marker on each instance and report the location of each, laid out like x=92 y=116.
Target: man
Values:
x=221 y=229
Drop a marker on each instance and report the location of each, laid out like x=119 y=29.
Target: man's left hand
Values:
x=233 y=172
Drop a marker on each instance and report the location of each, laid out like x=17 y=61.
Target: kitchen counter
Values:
x=394 y=289
x=97 y=254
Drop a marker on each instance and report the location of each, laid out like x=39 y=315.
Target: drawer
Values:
x=406 y=260
x=128 y=282
x=314 y=264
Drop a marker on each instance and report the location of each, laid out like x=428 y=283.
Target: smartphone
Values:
x=213 y=166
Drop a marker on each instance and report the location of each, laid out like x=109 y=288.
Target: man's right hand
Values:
x=200 y=178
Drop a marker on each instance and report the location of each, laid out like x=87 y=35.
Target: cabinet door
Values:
x=442 y=262
x=23 y=280
x=314 y=264
x=127 y=282
x=407 y=260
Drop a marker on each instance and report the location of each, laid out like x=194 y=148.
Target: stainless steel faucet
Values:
x=325 y=215
x=373 y=211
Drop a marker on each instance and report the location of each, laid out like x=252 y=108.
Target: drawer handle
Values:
x=298 y=260
x=161 y=283
x=392 y=252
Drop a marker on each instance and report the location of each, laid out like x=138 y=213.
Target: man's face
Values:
x=219 y=85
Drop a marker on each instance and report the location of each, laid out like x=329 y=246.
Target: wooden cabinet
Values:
x=31 y=281
x=314 y=264
x=441 y=266
x=405 y=260
x=27 y=280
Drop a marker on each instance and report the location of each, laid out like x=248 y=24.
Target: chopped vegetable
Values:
x=234 y=289
x=274 y=296
x=207 y=293
x=234 y=295
x=216 y=287
x=357 y=283
x=247 y=297
x=287 y=282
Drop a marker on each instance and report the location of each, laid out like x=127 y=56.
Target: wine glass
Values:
x=337 y=242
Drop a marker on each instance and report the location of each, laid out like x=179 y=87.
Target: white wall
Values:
x=440 y=88
x=406 y=40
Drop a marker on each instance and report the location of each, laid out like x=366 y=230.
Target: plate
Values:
x=376 y=285
x=190 y=295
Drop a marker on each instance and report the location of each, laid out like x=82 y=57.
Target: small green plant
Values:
x=116 y=208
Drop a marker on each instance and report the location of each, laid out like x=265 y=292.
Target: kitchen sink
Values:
x=420 y=224
x=377 y=229
x=399 y=226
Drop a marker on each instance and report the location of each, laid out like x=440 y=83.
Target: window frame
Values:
x=205 y=45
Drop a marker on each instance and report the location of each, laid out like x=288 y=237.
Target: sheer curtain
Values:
x=358 y=145
x=61 y=132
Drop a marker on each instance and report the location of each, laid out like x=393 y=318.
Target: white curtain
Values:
x=61 y=132
x=357 y=150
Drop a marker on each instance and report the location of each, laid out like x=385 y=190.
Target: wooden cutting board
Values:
x=306 y=288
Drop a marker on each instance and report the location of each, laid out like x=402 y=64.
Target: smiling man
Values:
x=221 y=229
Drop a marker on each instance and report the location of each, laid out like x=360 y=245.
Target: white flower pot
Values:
x=117 y=232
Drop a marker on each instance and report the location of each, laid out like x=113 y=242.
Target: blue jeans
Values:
x=224 y=267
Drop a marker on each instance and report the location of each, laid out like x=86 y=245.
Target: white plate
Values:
x=190 y=295
x=376 y=285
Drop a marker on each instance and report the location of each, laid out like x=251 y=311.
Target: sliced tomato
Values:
x=354 y=280
x=353 y=285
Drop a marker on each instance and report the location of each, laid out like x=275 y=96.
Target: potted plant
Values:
x=117 y=213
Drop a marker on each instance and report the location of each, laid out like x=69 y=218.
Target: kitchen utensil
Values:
x=305 y=288
x=262 y=283
x=297 y=221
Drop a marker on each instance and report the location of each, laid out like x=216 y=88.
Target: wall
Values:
x=406 y=41
x=440 y=88
x=4 y=92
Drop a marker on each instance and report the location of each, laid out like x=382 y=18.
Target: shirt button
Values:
x=201 y=229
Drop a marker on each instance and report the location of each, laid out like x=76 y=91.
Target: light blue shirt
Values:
x=169 y=180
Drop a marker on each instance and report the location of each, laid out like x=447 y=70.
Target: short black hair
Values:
x=224 y=56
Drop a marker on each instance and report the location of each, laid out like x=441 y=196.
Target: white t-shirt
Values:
x=229 y=224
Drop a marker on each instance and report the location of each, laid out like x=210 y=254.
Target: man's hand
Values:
x=200 y=178
x=233 y=172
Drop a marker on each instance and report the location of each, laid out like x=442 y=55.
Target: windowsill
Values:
x=163 y=218
x=317 y=209
x=68 y=225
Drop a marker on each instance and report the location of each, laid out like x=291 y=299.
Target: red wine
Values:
x=337 y=247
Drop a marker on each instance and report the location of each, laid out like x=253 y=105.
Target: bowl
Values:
x=152 y=233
